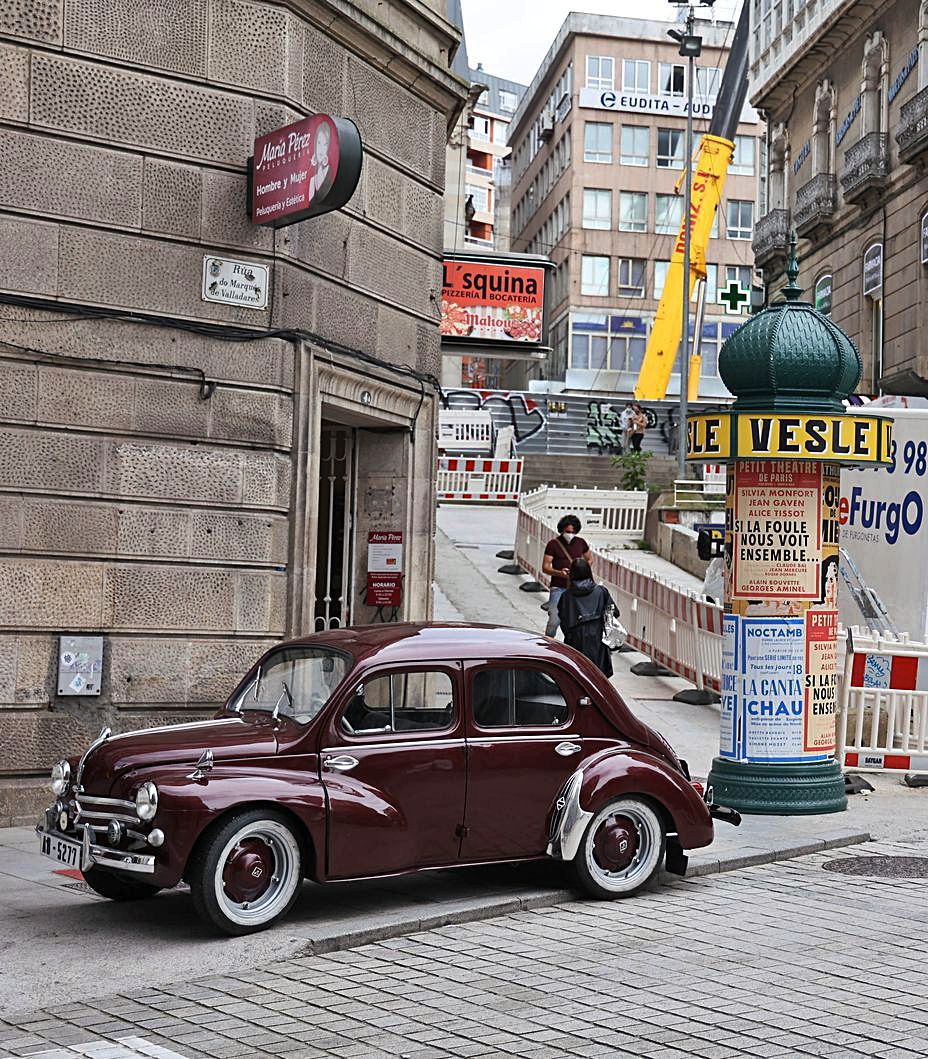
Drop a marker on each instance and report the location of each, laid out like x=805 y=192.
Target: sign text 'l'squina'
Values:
x=303 y=170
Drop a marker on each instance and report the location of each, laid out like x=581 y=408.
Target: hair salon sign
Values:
x=303 y=170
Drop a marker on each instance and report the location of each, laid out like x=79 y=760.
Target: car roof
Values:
x=411 y=642
x=420 y=641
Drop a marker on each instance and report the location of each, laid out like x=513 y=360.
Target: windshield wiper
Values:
x=276 y=711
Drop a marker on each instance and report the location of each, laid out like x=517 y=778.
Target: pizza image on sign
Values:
x=490 y=302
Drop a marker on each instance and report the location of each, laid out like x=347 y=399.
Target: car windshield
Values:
x=296 y=682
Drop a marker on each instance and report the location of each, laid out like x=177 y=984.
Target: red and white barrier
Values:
x=674 y=627
x=883 y=704
x=479 y=480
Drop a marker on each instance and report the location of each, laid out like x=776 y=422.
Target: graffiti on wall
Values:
x=559 y=424
x=522 y=413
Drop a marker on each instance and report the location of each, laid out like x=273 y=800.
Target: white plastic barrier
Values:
x=465 y=431
x=609 y=516
x=883 y=704
x=478 y=481
x=674 y=627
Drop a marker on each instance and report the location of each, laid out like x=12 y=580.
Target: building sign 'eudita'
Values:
x=303 y=170
x=638 y=103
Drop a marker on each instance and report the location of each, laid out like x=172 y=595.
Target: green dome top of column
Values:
x=790 y=357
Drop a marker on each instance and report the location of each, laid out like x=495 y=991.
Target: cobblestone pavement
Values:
x=780 y=960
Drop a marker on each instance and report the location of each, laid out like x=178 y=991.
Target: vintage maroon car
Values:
x=373 y=751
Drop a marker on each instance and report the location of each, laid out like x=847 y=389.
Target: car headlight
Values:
x=61 y=777
x=146 y=801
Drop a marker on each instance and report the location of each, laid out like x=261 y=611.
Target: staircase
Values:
x=589 y=472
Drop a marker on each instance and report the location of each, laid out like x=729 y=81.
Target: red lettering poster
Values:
x=821 y=691
x=777 y=538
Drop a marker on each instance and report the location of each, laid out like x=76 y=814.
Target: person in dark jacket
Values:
x=581 y=609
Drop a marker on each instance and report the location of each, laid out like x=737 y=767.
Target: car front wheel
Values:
x=622 y=849
x=118 y=887
x=247 y=873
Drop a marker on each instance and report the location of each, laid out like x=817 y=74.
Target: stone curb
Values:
x=700 y=864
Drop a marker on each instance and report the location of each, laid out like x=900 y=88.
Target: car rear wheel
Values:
x=247 y=873
x=622 y=849
x=118 y=887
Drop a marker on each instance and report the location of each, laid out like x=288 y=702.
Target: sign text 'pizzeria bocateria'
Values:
x=303 y=170
x=492 y=303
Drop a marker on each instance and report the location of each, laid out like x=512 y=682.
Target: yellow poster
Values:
x=777 y=534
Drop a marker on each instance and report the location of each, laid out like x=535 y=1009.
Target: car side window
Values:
x=416 y=701
x=514 y=698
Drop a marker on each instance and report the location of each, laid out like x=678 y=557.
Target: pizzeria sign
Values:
x=493 y=302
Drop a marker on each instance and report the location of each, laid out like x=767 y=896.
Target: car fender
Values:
x=619 y=773
x=187 y=807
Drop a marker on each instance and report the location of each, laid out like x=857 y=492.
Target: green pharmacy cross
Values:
x=734 y=296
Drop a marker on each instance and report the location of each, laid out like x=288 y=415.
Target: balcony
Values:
x=478 y=170
x=912 y=136
x=771 y=238
x=866 y=166
x=816 y=202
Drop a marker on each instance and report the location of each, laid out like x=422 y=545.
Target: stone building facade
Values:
x=194 y=480
x=844 y=85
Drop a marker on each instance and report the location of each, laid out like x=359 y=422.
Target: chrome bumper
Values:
x=92 y=855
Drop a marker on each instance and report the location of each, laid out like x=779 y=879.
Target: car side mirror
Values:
x=585 y=701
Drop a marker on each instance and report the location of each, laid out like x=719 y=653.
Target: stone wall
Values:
x=156 y=482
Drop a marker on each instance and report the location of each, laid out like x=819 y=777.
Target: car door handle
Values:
x=566 y=749
x=341 y=763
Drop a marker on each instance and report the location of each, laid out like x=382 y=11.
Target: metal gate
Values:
x=337 y=490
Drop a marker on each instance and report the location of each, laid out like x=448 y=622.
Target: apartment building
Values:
x=598 y=155
x=844 y=86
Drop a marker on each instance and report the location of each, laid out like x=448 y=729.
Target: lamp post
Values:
x=690 y=49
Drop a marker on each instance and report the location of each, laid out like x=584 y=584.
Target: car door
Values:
x=523 y=741
x=393 y=765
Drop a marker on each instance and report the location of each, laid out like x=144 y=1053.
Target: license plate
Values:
x=63 y=850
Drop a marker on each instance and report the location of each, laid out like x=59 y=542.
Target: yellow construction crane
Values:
x=708 y=179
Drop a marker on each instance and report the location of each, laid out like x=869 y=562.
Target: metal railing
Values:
x=912 y=135
x=866 y=165
x=771 y=236
x=816 y=202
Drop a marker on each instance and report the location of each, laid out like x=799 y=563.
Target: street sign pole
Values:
x=687 y=206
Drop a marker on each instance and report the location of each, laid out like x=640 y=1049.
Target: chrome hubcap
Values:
x=257 y=872
x=621 y=850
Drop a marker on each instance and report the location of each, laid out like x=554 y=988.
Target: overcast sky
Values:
x=511 y=37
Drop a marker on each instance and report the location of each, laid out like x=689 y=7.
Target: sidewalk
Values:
x=471 y=589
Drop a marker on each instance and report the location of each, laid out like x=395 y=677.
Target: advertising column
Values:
x=784 y=438
x=782 y=616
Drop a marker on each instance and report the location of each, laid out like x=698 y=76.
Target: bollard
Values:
x=784 y=439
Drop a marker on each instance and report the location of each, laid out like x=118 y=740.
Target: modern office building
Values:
x=598 y=154
x=844 y=86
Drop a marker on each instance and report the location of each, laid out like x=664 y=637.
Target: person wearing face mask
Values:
x=560 y=552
